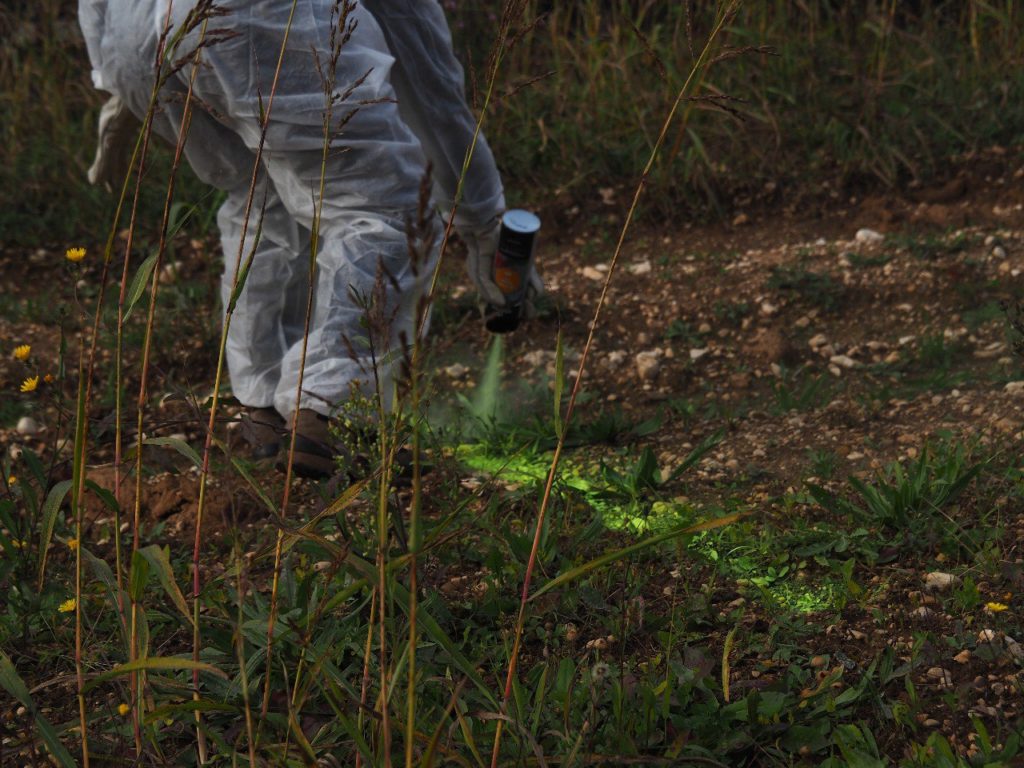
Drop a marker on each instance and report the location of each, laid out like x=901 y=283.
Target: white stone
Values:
x=593 y=274
x=28 y=426
x=697 y=354
x=169 y=273
x=640 y=268
x=648 y=365
x=938 y=581
x=767 y=308
x=844 y=361
x=616 y=357
x=1014 y=648
x=818 y=341
x=1015 y=388
x=536 y=358
x=868 y=237
x=456 y=370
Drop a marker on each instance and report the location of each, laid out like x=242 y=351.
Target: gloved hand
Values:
x=118 y=129
x=481 y=245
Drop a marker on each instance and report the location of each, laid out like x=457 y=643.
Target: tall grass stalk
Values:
x=250 y=731
x=142 y=148
x=512 y=10
x=415 y=364
x=238 y=284
x=365 y=679
x=77 y=485
x=338 y=22
x=138 y=682
x=725 y=12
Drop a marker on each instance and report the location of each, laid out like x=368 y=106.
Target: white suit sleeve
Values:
x=91 y=15
x=430 y=87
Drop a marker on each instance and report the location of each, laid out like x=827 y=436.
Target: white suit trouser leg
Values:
x=269 y=313
x=371 y=179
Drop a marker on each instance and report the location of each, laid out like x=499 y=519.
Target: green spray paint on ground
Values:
x=638 y=517
x=529 y=468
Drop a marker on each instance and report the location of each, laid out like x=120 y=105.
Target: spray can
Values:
x=512 y=264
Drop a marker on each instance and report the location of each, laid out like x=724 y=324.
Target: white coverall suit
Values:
x=373 y=175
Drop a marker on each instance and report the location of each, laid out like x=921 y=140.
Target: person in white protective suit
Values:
x=403 y=74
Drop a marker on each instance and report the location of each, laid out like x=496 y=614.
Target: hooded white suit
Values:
x=410 y=106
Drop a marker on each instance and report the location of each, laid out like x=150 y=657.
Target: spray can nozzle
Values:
x=513 y=262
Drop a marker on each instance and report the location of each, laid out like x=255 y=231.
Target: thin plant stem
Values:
x=76 y=500
x=204 y=472
x=415 y=366
x=314 y=247
x=286 y=497
x=364 y=687
x=553 y=471
x=240 y=653
x=119 y=352
x=138 y=682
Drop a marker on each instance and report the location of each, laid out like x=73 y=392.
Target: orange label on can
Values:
x=507 y=279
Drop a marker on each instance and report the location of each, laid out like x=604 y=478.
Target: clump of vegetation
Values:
x=815 y=288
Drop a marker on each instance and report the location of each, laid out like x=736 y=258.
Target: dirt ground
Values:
x=825 y=331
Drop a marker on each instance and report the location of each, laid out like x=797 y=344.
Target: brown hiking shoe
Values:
x=319 y=455
x=263 y=429
x=314 y=454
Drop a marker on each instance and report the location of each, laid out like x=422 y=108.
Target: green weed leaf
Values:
x=138 y=577
x=611 y=557
x=50 y=508
x=159 y=560
x=139 y=282
x=153 y=664
x=180 y=446
x=11 y=682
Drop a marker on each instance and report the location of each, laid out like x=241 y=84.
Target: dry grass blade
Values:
x=698 y=67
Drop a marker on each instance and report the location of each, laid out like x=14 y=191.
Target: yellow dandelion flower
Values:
x=123 y=709
x=75 y=254
x=68 y=606
x=30 y=384
x=12 y=480
x=72 y=544
x=22 y=352
x=997 y=607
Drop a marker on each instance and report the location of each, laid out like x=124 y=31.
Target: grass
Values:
x=519 y=605
x=902 y=88
x=902 y=91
